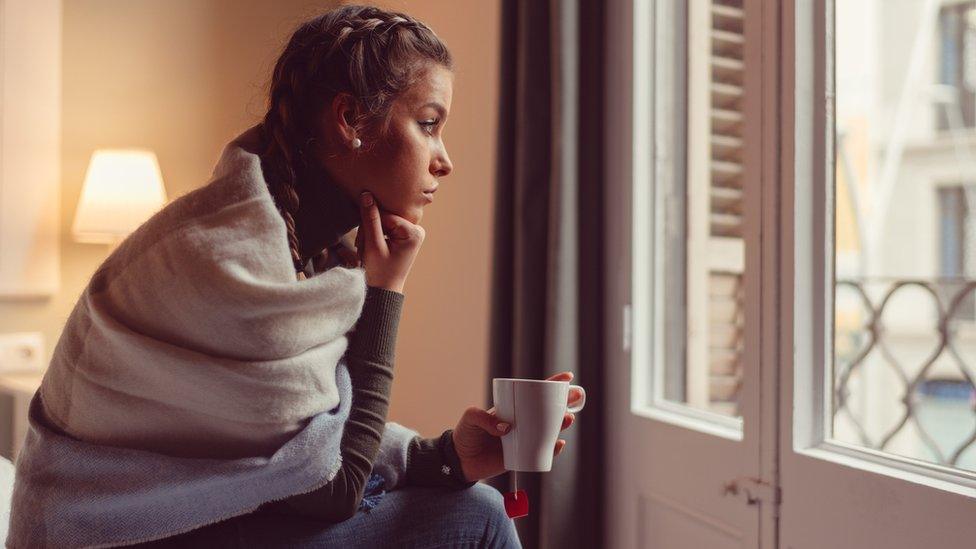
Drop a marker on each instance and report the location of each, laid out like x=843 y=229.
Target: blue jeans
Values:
x=409 y=517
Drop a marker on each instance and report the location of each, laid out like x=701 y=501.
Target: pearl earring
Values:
x=356 y=143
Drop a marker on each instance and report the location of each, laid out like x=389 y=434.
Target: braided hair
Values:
x=370 y=53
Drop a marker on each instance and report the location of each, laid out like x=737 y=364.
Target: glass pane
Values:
x=905 y=219
x=704 y=258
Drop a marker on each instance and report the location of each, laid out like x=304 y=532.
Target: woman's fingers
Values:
x=486 y=421
x=574 y=394
x=560 y=444
x=371 y=226
x=561 y=376
x=399 y=228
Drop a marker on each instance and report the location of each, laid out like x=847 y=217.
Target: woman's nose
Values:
x=443 y=166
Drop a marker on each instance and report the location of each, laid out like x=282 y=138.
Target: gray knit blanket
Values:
x=195 y=379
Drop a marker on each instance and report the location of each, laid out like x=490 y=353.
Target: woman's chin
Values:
x=414 y=215
x=410 y=213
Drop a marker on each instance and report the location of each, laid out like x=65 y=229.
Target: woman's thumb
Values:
x=487 y=421
x=371 y=226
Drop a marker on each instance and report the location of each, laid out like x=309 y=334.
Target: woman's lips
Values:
x=429 y=196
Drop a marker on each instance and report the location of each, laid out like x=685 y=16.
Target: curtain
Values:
x=547 y=280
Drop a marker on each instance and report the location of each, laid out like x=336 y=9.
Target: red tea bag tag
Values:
x=516 y=504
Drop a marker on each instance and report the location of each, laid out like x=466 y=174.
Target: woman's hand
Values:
x=477 y=437
x=387 y=261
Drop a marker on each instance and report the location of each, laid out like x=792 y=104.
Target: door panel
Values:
x=671 y=524
x=683 y=261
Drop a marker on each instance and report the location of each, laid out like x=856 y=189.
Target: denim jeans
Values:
x=409 y=517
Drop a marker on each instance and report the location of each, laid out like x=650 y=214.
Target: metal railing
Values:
x=951 y=327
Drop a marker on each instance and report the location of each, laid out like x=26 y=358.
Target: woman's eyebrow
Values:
x=437 y=106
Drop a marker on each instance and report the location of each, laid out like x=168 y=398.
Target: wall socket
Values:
x=21 y=352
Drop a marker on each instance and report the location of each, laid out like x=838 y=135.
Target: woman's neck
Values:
x=325 y=213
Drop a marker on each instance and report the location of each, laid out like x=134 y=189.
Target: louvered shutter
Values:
x=714 y=200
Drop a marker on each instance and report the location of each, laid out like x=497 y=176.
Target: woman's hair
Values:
x=370 y=53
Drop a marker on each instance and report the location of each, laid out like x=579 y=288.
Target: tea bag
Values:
x=516 y=502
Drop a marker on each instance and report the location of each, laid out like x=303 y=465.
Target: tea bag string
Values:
x=514 y=477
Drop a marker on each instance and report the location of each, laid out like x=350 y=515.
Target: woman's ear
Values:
x=344 y=112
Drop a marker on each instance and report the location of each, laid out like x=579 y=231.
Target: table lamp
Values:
x=122 y=189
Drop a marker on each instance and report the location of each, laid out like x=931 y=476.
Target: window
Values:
x=904 y=344
x=957 y=66
x=955 y=250
x=699 y=191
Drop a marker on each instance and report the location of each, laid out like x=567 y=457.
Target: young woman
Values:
x=224 y=379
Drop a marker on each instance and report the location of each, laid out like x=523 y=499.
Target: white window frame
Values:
x=653 y=158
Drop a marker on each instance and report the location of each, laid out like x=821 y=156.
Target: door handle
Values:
x=753 y=490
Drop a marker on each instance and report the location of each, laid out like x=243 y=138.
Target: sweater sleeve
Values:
x=434 y=462
x=407 y=459
x=369 y=358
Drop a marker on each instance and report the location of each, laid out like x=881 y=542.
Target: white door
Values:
x=687 y=468
x=877 y=265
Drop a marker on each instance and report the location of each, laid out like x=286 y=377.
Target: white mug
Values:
x=535 y=409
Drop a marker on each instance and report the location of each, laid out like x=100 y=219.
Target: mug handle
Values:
x=580 y=402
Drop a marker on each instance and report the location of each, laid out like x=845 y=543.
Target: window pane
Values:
x=905 y=196
x=704 y=258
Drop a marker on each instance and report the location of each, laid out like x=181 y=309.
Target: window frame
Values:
x=654 y=168
x=807 y=210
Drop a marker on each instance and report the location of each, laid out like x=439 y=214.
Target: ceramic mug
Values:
x=535 y=409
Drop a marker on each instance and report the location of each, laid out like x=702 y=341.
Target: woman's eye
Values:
x=429 y=125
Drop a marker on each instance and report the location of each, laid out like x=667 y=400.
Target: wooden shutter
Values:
x=714 y=200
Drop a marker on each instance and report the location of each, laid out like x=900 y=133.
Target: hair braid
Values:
x=370 y=53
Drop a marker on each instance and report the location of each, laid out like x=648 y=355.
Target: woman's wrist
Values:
x=452 y=459
x=397 y=288
x=433 y=462
x=384 y=284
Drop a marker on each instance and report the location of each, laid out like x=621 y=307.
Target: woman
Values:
x=224 y=379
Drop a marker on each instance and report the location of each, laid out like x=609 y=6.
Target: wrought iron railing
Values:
x=941 y=310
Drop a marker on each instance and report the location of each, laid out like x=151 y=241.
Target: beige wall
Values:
x=182 y=77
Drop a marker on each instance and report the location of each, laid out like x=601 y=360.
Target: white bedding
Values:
x=6 y=489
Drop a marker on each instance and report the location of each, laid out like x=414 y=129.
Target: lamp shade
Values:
x=122 y=189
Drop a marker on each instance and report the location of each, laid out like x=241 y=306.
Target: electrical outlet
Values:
x=21 y=352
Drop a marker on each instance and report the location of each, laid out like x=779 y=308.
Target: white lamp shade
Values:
x=122 y=189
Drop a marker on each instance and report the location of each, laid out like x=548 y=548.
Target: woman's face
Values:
x=402 y=169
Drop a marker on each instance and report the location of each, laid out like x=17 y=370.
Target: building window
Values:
x=954 y=246
x=957 y=66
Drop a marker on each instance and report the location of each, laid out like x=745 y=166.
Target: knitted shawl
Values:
x=195 y=379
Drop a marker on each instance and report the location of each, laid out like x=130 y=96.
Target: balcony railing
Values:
x=905 y=367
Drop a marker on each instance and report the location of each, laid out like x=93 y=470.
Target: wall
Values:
x=183 y=77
